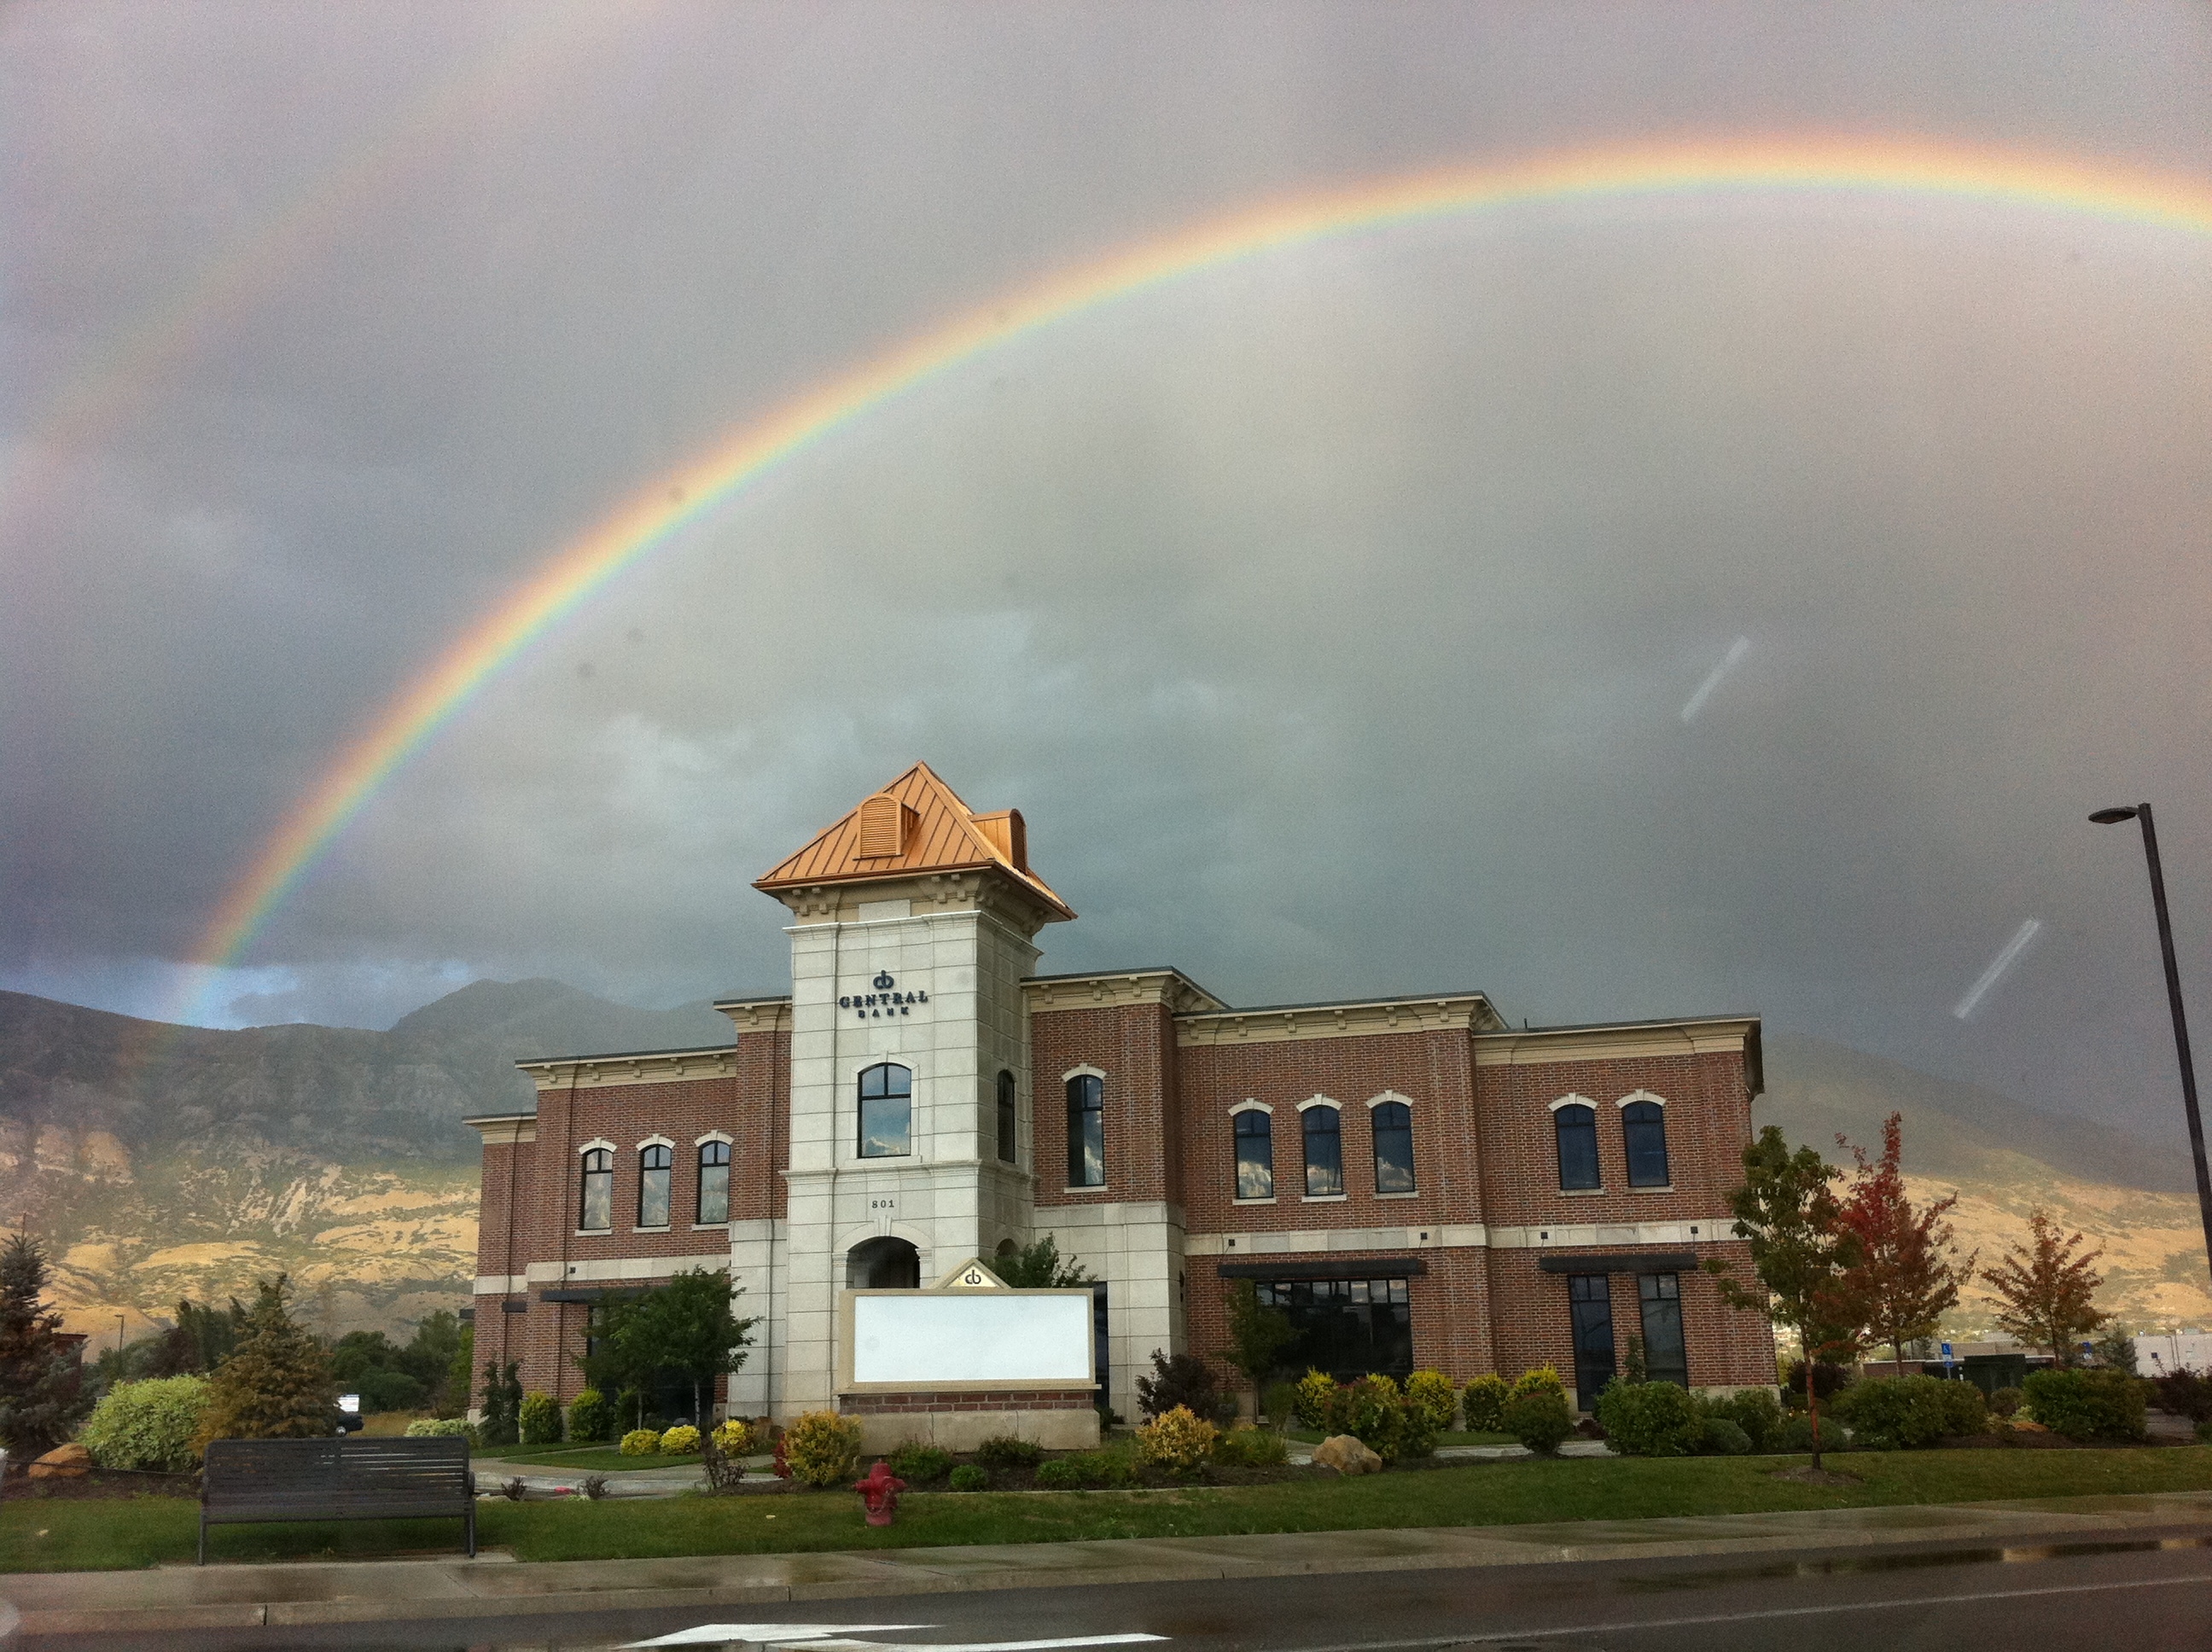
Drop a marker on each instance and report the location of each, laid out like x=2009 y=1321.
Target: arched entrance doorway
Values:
x=885 y=1264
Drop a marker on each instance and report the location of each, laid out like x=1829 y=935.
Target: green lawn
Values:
x=64 y=1534
x=583 y=1460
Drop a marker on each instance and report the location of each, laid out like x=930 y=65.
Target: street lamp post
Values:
x=2141 y=812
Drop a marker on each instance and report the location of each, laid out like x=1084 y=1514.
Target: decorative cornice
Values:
x=505 y=1129
x=1464 y=1012
x=757 y=1015
x=1543 y=1046
x=650 y=1067
x=1182 y=995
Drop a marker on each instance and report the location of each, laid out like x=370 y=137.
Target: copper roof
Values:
x=941 y=834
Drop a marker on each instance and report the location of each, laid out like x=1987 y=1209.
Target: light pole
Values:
x=2141 y=812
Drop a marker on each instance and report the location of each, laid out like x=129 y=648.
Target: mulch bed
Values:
x=97 y=1482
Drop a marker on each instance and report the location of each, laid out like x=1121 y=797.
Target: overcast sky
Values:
x=1332 y=617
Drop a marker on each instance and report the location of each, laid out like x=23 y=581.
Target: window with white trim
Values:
x=1644 y=1132
x=1322 y=1128
x=714 y=1182
x=595 y=1204
x=1254 y=1134
x=654 y=1163
x=1393 y=1123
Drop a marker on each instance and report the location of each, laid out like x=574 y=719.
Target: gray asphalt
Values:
x=2147 y=1593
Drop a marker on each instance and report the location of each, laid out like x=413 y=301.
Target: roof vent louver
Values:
x=886 y=824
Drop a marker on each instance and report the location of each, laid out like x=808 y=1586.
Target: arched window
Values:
x=1256 y=1155
x=653 y=1164
x=1394 y=1147
x=1643 y=1127
x=595 y=1210
x=1323 y=1127
x=714 y=1182
x=1006 y=1116
x=886 y=1111
x=1576 y=1125
x=1087 y=1131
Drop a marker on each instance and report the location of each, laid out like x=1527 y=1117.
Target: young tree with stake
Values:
x=2044 y=1290
x=1908 y=1273
x=1257 y=1334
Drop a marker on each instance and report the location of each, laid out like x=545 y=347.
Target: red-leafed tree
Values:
x=1908 y=1271
x=2045 y=1290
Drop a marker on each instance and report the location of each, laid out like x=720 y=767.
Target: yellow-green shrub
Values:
x=148 y=1425
x=1433 y=1394
x=735 y=1438
x=1484 y=1403
x=1542 y=1380
x=1177 y=1441
x=679 y=1441
x=1316 y=1390
x=822 y=1448
x=641 y=1442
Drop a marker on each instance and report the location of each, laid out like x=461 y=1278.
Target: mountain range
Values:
x=160 y=1162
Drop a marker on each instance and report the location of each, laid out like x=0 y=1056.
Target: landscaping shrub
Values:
x=1539 y=1419
x=1281 y=1399
x=641 y=1442
x=1009 y=1451
x=1905 y=1414
x=2204 y=1433
x=1542 y=1380
x=1183 y=1380
x=540 y=1419
x=591 y=1416
x=969 y=1477
x=821 y=1448
x=1724 y=1438
x=2100 y=1405
x=1314 y=1392
x=593 y=1486
x=1177 y=1440
x=1795 y=1433
x=679 y=1441
x=1432 y=1393
x=1251 y=1448
x=1112 y=1467
x=918 y=1464
x=2006 y=1401
x=737 y=1438
x=1060 y=1474
x=440 y=1428
x=1756 y=1412
x=1650 y=1419
x=2184 y=1394
x=1483 y=1404
x=1828 y=1382
x=148 y=1426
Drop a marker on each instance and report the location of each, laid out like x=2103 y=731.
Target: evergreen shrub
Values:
x=1060 y=1474
x=1756 y=1412
x=147 y=1426
x=1483 y=1404
x=969 y=1477
x=1251 y=1448
x=540 y=1421
x=1539 y=1419
x=1724 y=1438
x=1434 y=1395
x=1009 y=1451
x=1315 y=1391
x=441 y=1428
x=641 y=1442
x=1650 y=1419
x=822 y=1448
x=918 y=1464
x=591 y=1416
x=2099 y=1405
x=1542 y=1380
x=1907 y=1414
x=2005 y=1402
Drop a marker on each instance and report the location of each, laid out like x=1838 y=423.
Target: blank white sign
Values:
x=990 y=1337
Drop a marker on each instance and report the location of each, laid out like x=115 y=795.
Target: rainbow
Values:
x=701 y=486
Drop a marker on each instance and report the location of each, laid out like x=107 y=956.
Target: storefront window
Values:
x=1590 y=1300
x=1347 y=1327
x=1665 y=1359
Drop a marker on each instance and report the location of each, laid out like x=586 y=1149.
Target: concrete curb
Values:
x=301 y=1595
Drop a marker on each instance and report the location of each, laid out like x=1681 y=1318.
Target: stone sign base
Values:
x=1057 y=1420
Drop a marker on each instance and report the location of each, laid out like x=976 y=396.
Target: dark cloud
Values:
x=1330 y=616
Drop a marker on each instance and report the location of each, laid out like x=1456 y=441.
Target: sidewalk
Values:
x=190 y=1597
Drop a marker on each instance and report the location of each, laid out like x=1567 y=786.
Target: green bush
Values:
x=1795 y=1433
x=969 y=1477
x=918 y=1464
x=541 y=1419
x=1431 y=1393
x=1539 y=1419
x=1007 y=1451
x=1756 y=1412
x=1724 y=1438
x=1106 y=1469
x=1483 y=1404
x=2100 y=1405
x=641 y=1442
x=1281 y=1400
x=1906 y=1413
x=440 y=1428
x=591 y=1416
x=2204 y=1433
x=2006 y=1401
x=1060 y=1474
x=821 y=1448
x=1650 y=1419
x=147 y=1426
x=1251 y=1448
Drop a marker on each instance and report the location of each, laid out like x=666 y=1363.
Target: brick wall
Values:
x=1725 y=1348
x=1133 y=1044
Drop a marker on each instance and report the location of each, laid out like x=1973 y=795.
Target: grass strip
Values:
x=66 y=1534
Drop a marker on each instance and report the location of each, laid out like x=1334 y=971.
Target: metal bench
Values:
x=247 y=1481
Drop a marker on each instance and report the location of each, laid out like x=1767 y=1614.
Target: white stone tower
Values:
x=914 y=922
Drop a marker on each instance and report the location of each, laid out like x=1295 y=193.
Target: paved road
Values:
x=2148 y=1594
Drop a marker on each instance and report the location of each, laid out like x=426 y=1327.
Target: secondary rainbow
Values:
x=704 y=484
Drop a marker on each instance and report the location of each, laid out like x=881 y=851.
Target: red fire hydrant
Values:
x=880 y=1491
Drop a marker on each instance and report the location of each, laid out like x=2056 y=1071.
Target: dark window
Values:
x=1324 y=1134
x=1006 y=1117
x=1347 y=1327
x=1643 y=1124
x=653 y=1164
x=885 y=1264
x=1589 y=1299
x=596 y=1210
x=1087 y=1131
x=886 y=1111
x=1394 y=1147
x=1256 y=1155
x=714 y=1182
x=1578 y=1132
x=1665 y=1359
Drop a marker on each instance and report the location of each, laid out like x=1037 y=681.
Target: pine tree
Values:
x=1908 y=1273
x=276 y=1384
x=2045 y=1290
x=41 y=1389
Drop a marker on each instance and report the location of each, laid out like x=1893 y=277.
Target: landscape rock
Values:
x=67 y=1462
x=1346 y=1455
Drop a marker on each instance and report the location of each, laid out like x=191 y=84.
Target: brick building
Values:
x=1416 y=1183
